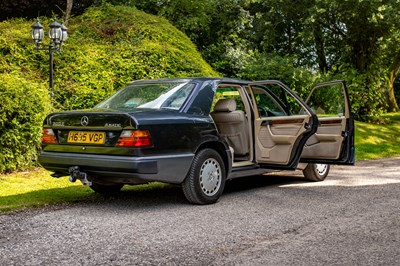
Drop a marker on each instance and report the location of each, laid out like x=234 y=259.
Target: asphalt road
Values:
x=352 y=218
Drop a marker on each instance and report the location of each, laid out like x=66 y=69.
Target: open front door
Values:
x=282 y=125
x=333 y=143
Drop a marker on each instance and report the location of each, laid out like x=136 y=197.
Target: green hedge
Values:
x=113 y=45
x=24 y=105
x=108 y=47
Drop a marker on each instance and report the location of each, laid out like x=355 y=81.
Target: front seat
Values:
x=232 y=125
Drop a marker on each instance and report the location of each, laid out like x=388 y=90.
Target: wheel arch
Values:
x=222 y=150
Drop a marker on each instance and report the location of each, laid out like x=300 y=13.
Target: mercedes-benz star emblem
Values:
x=84 y=120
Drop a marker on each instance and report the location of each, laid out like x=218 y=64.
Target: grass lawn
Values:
x=36 y=187
x=378 y=141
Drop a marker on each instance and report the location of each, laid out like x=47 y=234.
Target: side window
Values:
x=228 y=92
x=176 y=100
x=267 y=105
x=327 y=101
x=273 y=100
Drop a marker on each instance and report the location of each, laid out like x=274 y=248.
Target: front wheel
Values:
x=316 y=171
x=205 y=181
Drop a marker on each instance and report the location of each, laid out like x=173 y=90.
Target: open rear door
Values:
x=282 y=125
x=333 y=143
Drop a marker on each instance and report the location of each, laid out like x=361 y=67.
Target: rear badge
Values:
x=112 y=125
x=84 y=120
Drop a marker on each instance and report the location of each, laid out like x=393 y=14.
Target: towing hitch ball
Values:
x=72 y=179
x=75 y=174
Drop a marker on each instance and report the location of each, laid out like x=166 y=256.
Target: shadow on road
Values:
x=253 y=182
x=174 y=194
x=156 y=194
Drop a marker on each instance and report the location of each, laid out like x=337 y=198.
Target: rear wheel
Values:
x=106 y=189
x=205 y=181
x=316 y=171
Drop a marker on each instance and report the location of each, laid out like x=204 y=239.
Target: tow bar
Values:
x=75 y=174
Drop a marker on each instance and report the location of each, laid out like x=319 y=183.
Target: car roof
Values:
x=192 y=79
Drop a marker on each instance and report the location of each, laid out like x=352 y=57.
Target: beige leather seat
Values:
x=232 y=124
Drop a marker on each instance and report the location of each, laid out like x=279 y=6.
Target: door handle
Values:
x=266 y=123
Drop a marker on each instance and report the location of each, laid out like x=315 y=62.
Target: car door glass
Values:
x=327 y=101
x=273 y=100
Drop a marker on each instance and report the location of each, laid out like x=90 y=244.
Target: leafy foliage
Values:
x=111 y=46
x=217 y=27
x=357 y=40
x=330 y=37
x=108 y=47
x=272 y=66
x=366 y=91
x=24 y=105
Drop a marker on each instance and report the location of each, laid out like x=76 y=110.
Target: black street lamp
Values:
x=58 y=35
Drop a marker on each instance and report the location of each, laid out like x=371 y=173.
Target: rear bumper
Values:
x=170 y=168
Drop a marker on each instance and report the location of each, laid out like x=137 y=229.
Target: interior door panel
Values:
x=328 y=139
x=277 y=136
x=333 y=142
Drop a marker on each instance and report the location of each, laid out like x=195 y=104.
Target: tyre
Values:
x=316 y=171
x=205 y=181
x=106 y=189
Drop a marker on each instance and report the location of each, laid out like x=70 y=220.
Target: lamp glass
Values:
x=64 y=34
x=55 y=32
x=37 y=32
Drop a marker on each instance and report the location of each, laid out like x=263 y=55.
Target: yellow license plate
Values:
x=86 y=137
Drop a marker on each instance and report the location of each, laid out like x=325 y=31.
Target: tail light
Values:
x=134 y=138
x=48 y=136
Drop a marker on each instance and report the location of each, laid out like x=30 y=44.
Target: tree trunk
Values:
x=394 y=71
x=68 y=11
x=320 y=47
x=391 y=98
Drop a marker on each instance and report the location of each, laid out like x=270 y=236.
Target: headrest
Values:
x=225 y=105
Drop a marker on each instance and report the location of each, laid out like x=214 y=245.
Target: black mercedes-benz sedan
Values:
x=199 y=133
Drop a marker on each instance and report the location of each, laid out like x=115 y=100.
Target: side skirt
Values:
x=247 y=171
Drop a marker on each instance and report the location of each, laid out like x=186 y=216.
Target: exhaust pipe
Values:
x=75 y=174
